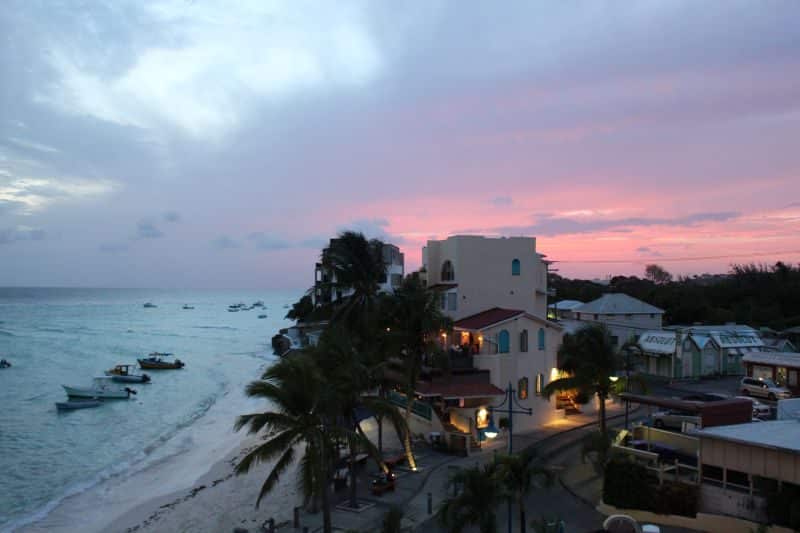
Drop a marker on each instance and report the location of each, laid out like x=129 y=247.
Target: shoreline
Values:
x=184 y=462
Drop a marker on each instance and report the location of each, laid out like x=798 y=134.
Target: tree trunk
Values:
x=379 y=419
x=521 y=514
x=602 y=412
x=327 y=526
x=353 y=475
x=412 y=463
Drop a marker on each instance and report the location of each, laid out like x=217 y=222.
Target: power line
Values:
x=658 y=259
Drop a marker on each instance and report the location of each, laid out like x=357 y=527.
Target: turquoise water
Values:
x=67 y=336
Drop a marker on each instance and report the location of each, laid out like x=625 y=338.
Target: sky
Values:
x=201 y=143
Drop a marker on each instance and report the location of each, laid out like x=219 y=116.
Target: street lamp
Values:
x=491 y=430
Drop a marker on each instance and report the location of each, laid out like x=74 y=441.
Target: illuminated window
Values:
x=481 y=418
x=541 y=338
x=523 y=341
x=522 y=389
x=515 y=267
x=539 y=383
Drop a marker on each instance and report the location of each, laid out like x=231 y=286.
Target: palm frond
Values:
x=280 y=467
x=267 y=451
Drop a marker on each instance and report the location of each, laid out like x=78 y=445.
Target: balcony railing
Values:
x=418 y=408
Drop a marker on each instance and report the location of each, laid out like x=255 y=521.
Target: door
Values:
x=697 y=364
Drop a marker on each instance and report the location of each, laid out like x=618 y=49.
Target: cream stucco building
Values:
x=475 y=273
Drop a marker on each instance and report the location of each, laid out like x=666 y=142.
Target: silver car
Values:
x=673 y=419
x=765 y=388
x=760 y=410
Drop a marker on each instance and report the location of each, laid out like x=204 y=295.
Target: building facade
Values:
x=325 y=291
x=476 y=273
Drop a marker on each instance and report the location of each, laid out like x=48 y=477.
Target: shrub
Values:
x=625 y=485
x=676 y=498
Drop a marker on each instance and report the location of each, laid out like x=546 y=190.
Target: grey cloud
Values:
x=500 y=201
x=314 y=242
x=648 y=251
x=146 y=229
x=549 y=225
x=267 y=242
x=223 y=242
x=10 y=235
x=172 y=216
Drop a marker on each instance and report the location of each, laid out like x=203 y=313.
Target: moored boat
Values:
x=157 y=361
x=126 y=374
x=77 y=404
x=187 y=306
x=102 y=387
x=149 y=305
x=262 y=316
x=4 y=364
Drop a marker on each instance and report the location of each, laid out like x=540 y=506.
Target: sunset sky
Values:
x=206 y=143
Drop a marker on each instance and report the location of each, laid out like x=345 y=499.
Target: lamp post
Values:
x=491 y=430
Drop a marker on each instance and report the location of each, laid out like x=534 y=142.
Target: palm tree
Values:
x=417 y=321
x=518 y=473
x=590 y=360
x=475 y=504
x=299 y=422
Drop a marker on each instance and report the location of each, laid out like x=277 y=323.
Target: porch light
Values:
x=491 y=430
x=613 y=378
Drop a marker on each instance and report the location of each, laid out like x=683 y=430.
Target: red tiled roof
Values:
x=487 y=318
x=458 y=390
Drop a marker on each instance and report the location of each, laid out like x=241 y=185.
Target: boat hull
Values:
x=159 y=365
x=83 y=404
x=129 y=379
x=82 y=392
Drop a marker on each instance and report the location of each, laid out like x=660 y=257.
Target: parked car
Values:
x=765 y=388
x=760 y=410
x=673 y=419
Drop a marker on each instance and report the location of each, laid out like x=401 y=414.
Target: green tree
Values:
x=590 y=360
x=476 y=502
x=301 y=309
x=298 y=423
x=416 y=324
x=657 y=274
x=518 y=473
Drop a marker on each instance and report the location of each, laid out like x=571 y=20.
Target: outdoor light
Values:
x=491 y=430
x=613 y=378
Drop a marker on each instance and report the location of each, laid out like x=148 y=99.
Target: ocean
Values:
x=57 y=468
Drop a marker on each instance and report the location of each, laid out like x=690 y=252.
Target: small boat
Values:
x=156 y=361
x=4 y=364
x=233 y=309
x=102 y=387
x=286 y=306
x=186 y=306
x=149 y=305
x=125 y=374
x=259 y=303
x=262 y=316
x=77 y=404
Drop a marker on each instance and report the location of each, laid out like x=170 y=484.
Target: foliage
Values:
x=757 y=295
x=590 y=360
x=625 y=484
x=476 y=502
x=657 y=274
x=782 y=508
x=547 y=525
x=676 y=498
x=301 y=309
x=517 y=474
x=596 y=447
x=392 y=520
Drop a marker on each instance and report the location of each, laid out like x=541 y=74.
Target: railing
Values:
x=418 y=408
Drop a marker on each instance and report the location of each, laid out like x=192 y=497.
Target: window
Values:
x=397 y=280
x=448 y=274
x=443 y=297
x=503 y=342
x=614 y=340
x=522 y=389
x=523 y=341
x=451 y=301
x=515 y=267
x=541 y=338
x=539 y=383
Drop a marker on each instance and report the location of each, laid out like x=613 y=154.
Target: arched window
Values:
x=503 y=341
x=515 y=267
x=541 y=338
x=448 y=274
x=523 y=341
x=522 y=389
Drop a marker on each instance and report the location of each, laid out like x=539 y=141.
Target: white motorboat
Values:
x=77 y=404
x=101 y=387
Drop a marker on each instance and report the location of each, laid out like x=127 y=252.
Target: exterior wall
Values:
x=751 y=459
x=716 y=500
x=482 y=268
x=511 y=367
x=630 y=321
